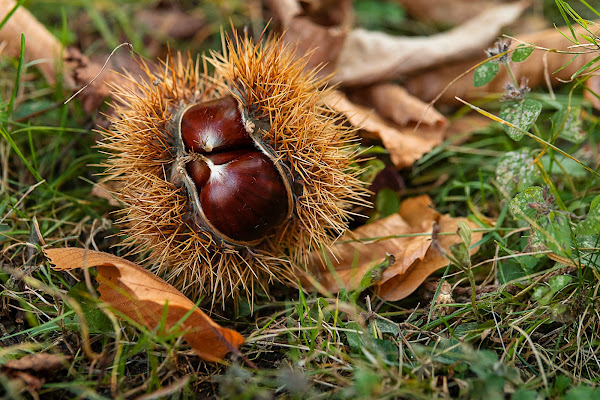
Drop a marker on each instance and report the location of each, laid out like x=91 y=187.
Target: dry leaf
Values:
x=33 y=369
x=172 y=22
x=396 y=104
x=103 y=190
x=415 y=258
x=368 y=57
x=353 y=257
x=404 y=144
x=141 y=296
x=535 y=68
x=323 y=44
x=284 y=10
x=400 y=286
x=38 y=363
x=40 y=44
x=317 y=28
x=446 y=12
x=465 y=126
x=329 y=12
x=43 y=47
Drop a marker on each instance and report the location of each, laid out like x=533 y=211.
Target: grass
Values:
x=534 y=332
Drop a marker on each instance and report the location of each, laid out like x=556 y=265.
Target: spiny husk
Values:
x=306 y=136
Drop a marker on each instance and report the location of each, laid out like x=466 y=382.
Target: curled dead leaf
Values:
x=315 y=28
x=446 y=12
x=540 y=68
x=361 y=57
x=32 y=370
x=284 y=10
x=330 y=12
x=323 y=44
x=404 y=144
x=37 y=362
x=41 y=46
x=406 y=237
x=141 y=296
x=396 y=104
x=399 y=286
x=368 y=57
x=172 y=22
x=103 y=190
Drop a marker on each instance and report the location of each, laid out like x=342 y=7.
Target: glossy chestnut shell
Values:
x=238 y=189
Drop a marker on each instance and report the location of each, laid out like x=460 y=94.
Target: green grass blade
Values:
x=16 y=149
x=11 y=103
x=586 y=66
x=10 y=13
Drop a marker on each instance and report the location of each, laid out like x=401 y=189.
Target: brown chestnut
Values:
x=204 y=161
x=239 y=190
x=213 y=126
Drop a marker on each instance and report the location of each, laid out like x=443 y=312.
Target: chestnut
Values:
x=213 y=126
x=239 y=191
x=234 y=176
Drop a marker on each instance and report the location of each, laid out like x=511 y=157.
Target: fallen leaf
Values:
x=284 y=10
x=38 y=362
x=41 y=46
x=404 y=144
x=172 y=22
x=395 y=103
x=321 y=44
x=465 y=126
x=538 y=67
x=368 y=57
x=316 y=28
x=446 y=12
x=329 y=12
x=402 y=285
x=103 y=191
x=33 y=369
x=141 y=296
x=353 y=258
x=369 y=245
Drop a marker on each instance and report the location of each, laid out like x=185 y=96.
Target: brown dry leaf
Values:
x=33 y=369
x=42 y=46
x=352 y=258
x=404 y=144
x=465 y=126
x=400 y=286
x=415 y=258
x=368 y=57
x=536 y=68
x=318 y=29
x=172 y=22
x=396 y=104
x=361 y=57
x=284 y=10
x=38 y=363
x=141 y=296
x=103 y=190
x=322 y=43
x=446 y=12
x=329 y=12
